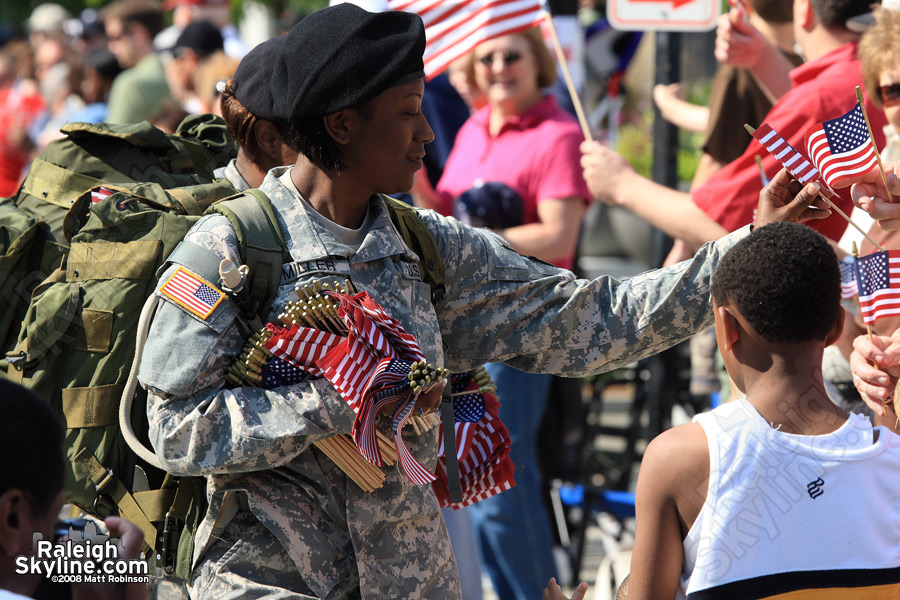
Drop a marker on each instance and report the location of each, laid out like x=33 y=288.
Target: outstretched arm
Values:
x=611 y=179
x=679 y=112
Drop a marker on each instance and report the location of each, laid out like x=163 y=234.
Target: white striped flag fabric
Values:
x=454 y=27
x=301 y=346
x=786 y=154
x=842 y=148
x=100 y=193
x=878 y=278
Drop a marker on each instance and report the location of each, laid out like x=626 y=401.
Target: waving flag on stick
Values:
x=842 y=148
x=878 y=277
x=799 y=167
x=792 y=160
x=454 y=27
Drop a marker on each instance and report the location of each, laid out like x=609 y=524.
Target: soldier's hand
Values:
x=425 y=403
x=786 y=199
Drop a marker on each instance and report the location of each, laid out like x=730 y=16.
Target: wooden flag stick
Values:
x=762 y=171
x=840 y=212
x=576 y=101
x=895 y=405
x=833 y=206
x=862 y=105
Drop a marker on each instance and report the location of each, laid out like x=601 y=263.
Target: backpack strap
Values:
x=108 y=484
x=262 y=244
x=421 y=241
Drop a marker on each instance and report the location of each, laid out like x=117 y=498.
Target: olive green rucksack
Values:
x=32 y=241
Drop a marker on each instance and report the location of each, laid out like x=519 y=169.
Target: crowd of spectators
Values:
x=118 y=65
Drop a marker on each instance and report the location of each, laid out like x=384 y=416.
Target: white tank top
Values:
x=789 y=514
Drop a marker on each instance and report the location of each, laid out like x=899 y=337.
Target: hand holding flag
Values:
x=878 y=278
x=803 y=171
x=842 y=148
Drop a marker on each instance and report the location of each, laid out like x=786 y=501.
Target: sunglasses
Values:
x=889 y=94
x=508 y=57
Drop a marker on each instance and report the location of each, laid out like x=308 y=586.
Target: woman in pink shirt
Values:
x=524 y=140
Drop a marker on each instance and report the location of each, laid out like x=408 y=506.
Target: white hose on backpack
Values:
x=131 y=385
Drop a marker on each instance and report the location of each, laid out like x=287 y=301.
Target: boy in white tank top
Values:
x=782 y=493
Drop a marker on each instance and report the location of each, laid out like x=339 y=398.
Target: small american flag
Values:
x=301 y=346
x=842 y=148
x=389 y=383
x=878 y=277
x=792 y=160
x=454 y=27
x=487 y=469
x=848 y=278
x=191 y=292
x=278 y=373
x=100 y=193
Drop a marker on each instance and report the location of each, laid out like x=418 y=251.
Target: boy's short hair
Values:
x=784 y=280
x=774 y=11
x=31 y=447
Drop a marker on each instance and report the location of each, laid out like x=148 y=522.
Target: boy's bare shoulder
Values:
x=678 y=461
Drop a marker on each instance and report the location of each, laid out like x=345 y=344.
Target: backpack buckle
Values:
x=17 y=361
x=167 y=543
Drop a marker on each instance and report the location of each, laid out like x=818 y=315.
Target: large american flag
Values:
x=454 y=27
x=792 y=160
x=878 y=278
x=842 y=148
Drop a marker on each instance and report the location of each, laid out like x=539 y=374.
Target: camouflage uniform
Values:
x=255 y=444
x=231 y=174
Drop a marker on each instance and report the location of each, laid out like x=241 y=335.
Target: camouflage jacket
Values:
x=498 y=306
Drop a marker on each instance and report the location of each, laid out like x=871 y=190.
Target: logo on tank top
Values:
x=814 y=488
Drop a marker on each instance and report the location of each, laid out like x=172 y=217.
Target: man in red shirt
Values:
x=823 y=88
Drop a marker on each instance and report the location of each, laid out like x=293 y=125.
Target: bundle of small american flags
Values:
x=369 y=358
x=482 y=443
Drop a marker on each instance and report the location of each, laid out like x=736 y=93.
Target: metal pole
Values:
x=665 y=135
x=661 y=368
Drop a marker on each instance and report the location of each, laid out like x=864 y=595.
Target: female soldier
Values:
x=283 y=520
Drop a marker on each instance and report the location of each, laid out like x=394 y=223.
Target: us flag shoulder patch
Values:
x=191 y=292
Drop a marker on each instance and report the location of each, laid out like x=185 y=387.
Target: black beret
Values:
x=341 y=56
x=251 y=81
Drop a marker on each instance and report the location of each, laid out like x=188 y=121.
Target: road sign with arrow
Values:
x=663 y=15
